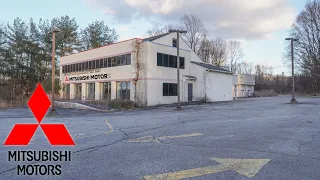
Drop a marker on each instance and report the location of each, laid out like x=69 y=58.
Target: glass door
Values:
x=107 y=91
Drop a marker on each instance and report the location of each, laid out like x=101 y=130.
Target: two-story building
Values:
x=243 y=85
x=145 y=71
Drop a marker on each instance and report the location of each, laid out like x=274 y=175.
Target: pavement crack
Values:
x=308 y=142
x=261 y=151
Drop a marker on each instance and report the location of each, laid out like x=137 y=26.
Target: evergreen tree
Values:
x=97 y=34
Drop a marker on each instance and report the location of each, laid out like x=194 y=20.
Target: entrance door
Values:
x=91 y=88
x=78 y=91
x=107 y=90
x=67 y=92
x=190 y=91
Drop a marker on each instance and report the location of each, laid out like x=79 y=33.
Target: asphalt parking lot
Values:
x=259 y=138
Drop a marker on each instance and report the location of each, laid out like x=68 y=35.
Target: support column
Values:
x=235 y=92
x=83 y=91
x=97 y=89
x=246 y=90
x=113 y=90
x=72 y=91
x=62 y=91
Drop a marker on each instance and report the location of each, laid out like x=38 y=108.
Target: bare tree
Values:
x=196 y=30
x=204 y=50
x=218 y=52
x=244 y=68
x=307 y=50
x=159 y=29
x=235 y=54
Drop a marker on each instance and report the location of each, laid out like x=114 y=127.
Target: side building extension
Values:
x=243 y=85
x=144 y=71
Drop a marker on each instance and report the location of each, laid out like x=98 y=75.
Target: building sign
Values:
x=86 y=77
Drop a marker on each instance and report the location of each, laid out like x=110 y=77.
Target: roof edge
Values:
x=101 y=47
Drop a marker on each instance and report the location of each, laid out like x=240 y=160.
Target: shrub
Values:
x=121 y=104
x=12 y=104
x=265 y=93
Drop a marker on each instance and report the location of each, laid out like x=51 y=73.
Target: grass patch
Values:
x=121 y=104
x=265 y=93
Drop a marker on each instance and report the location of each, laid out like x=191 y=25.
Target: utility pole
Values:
x=293 y=100
x=178 y=62
x=53 y=31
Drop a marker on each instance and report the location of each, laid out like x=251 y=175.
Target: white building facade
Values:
x=243 y=85
x=144 y=71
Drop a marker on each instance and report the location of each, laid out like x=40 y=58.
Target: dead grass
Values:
x=265 y=93
x=12 y=104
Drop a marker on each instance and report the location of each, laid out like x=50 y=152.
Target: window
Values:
x=172 y=61
x=93 y=64
x=123 y=60
x=159 y=59
x=84 y=66
x=101 y=63
x=97 y=64
x=174 y=42
x=175 y=64
x=77 y=67
x=123 y=90
x=169 y=89
x=73 y=68
x=166 y=60
x=109 y=62
x=128 y=59
x=90 y=65
x=105 y=62
x=80 y=66
x=118 y=61
x=63 y=69
x=113 y=61
x=181 y=62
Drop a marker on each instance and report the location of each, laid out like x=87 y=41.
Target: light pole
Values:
x=178 y=62
x=293 y=100
x=53 y=31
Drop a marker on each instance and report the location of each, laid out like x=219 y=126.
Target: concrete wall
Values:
x=246 y=79
x=218 y=86
x=158 y=75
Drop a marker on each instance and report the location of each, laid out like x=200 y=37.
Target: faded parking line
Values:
x=109 y=125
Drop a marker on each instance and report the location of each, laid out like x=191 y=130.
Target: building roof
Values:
x=155 y=37
x=212 y=67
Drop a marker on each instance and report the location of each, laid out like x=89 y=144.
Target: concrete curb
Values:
x=73 y=105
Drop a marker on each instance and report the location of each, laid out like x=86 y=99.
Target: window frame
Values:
x=169 y=89
x=127 y=91
x=128 y=59
x=97 y=64
x=174 y=42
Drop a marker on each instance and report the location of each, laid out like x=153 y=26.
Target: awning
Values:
x=190 y=77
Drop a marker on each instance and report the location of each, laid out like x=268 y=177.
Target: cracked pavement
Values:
x=255 y=128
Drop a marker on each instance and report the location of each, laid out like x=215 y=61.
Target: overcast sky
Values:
x=262 y=25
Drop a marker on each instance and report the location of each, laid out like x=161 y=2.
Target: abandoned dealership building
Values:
x=144 y=71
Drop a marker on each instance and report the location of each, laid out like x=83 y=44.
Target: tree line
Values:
x=25 y=51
